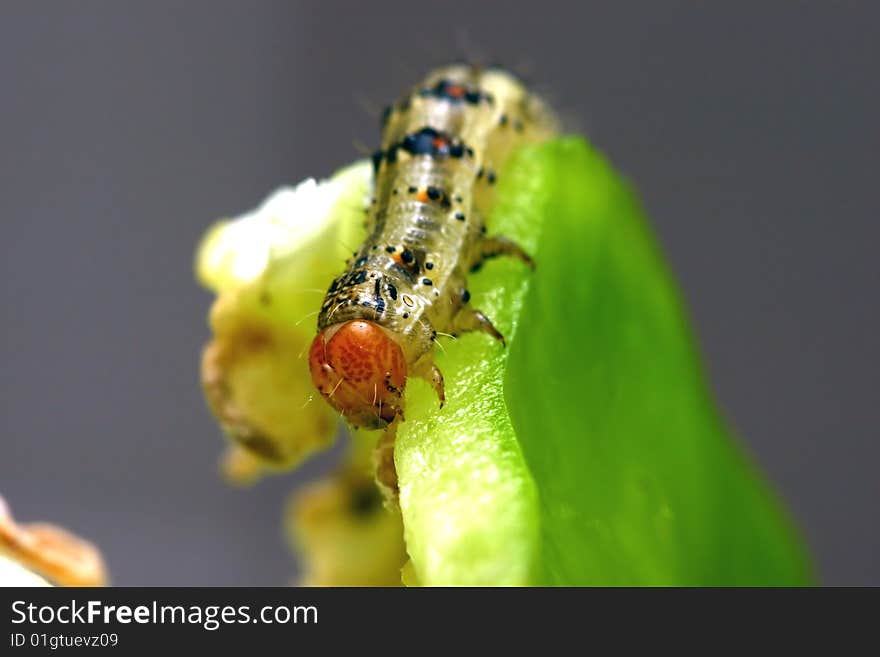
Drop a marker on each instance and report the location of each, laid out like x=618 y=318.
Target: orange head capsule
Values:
x=361 y=371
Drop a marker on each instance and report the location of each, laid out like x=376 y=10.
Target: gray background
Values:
x=126 y=128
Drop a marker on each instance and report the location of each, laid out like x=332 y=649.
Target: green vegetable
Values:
x=592 y=452
x=589 y=452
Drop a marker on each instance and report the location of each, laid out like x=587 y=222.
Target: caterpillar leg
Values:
x=469 y=319
x=383 y=455
x=498 y=245
x=426 y=369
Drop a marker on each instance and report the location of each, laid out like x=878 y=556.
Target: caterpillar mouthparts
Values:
x=361 y=371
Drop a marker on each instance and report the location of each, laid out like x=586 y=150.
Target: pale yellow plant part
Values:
x=270 y=269
x=341 y=529
x=46 y=552
x=240 y=466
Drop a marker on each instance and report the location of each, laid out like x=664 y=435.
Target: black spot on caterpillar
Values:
x=441 y=143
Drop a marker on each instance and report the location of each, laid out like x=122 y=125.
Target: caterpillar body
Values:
x=442 y=145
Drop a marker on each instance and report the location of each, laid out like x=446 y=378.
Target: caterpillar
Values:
x=434 y=184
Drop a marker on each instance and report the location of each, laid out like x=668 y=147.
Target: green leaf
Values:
x=590 y=452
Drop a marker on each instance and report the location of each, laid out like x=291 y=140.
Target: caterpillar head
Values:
x=361 y=371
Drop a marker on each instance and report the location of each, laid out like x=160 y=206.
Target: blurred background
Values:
x=750 y=131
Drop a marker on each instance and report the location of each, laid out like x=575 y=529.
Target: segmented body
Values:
x=435 y=175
